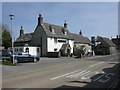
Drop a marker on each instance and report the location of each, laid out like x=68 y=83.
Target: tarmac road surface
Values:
x=91 y=72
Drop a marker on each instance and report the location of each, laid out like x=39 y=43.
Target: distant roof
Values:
x=24 y=37
x=57 y=31
x=80 y=39
x=116 y=41
x=108 y=41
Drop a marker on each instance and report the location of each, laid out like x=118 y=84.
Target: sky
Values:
x=93 y=18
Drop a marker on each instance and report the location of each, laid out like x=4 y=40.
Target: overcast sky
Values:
x=93 y=18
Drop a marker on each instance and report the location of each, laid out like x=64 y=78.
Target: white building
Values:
x=35 y=51
x=53 y=40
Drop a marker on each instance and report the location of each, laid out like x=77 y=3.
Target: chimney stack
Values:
x=21 y=31
x=65 y=24
x=117 y=36
x=40 y=19
x=80 y=32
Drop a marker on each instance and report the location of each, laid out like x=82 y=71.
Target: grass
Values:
x=0 y=62
x=8 y=63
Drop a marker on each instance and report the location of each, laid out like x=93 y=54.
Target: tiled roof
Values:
x=108 y=41
x=80 y=39
x=24 y=37
x=57 y=31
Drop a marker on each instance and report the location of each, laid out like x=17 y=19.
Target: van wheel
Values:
x=35 y=60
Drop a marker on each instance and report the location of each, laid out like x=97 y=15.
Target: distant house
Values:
x=22 y=44
x=116 y=41
x=82 y=45
x=106 y=45
x=23 y=38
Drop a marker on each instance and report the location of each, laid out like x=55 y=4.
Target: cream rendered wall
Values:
x=51 y=44
x=32 y=50
x=71 y=42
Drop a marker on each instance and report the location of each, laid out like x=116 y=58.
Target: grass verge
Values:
x=8 y=63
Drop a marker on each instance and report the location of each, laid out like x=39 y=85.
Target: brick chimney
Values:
x=21 y=31
x=65 y=24
x=117 y=36
x=80 y=32
x=40 y=19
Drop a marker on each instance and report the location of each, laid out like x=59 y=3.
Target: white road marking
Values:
x=96 y=64
x=83 y=74
x=76 y=74
x=88 y=77
x=110 y=59
x=64 y=75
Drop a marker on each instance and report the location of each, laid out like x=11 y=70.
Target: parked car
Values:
x=5 y=55
x=24 y=57
x=99 y=52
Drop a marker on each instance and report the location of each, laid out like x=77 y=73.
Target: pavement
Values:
x=90 y=72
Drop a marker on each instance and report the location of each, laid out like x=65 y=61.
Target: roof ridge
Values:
x=78 y=34
x=53 y=24
x=28 y=33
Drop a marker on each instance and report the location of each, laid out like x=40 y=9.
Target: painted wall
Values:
x=112 y=50
x=32 y=50
x=53 y=44
x=71 y=42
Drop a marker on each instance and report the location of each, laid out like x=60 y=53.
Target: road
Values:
x=90 y=72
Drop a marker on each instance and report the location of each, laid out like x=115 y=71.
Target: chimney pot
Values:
x=21 y=31
x=80 y=32
x=40 y=19
x=117 y=36
x=65 y=24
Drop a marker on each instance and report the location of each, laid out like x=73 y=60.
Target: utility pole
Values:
x=11 y=18
x=93 y=45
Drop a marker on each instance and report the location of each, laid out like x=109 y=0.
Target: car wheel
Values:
x=16 y=61
x=35 y=60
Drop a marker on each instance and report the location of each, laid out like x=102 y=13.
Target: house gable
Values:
x=38 y=35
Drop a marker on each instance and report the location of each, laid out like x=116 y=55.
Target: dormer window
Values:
x=64 y=31
x=51 y=29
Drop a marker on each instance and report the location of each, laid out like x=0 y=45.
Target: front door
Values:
x=38 y=51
